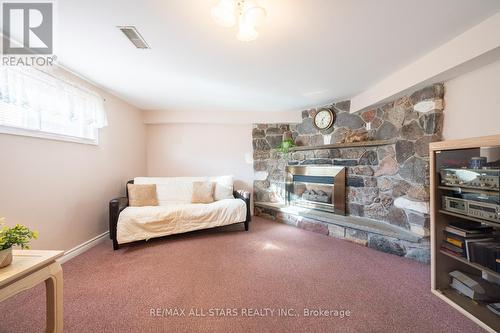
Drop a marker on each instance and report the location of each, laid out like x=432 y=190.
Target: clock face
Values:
x=323 y=119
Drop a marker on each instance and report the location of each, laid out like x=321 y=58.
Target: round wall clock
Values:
x=324 y=119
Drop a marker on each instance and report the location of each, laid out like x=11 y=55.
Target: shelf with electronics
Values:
x=465 y=226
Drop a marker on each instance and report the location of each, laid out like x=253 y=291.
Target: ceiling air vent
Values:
x=134 y=36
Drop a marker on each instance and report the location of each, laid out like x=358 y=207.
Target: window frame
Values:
x=12 y=130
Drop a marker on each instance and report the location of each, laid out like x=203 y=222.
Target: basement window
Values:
x=35 y=103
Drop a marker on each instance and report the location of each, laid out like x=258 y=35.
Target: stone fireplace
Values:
x=387 y=179
x=316 y=187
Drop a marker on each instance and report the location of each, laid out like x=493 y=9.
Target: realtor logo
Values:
x=27 y=28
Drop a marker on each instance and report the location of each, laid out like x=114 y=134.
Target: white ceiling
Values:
x=309 y=52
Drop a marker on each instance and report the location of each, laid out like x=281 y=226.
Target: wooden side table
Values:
x=29 y=268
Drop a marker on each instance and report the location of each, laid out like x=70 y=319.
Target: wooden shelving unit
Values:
x=474 y=265
x=443 y=262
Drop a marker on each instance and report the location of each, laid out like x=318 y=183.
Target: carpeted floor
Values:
x=253 y=274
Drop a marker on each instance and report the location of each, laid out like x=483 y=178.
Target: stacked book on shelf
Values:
x=474 y=241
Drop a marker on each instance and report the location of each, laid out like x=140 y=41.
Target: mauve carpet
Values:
x=271 y=266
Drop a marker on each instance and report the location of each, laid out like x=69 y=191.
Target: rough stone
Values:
x=355 y=209
x=384 y=108
x=432 y=92
x=369 y=158
x=306 y=127
x=395 y=116
x=400 y=188
x=302 y=140
x=277 y=176
x=384 y=151
x=422 y=145
x=275 y=131
x=376 y=123
x=260 y=144
x=334 y=153
x=404 y=150
x=419 y=230
x=313 y=226
x=375 y=211
x=386 y=200
x=316 y=161
x=370 y=181
x=260 y=175
x=398 y=217
x=322 y=153
x=415 y=170
x=369 y=116
x=386 y=131
x=407 y=204
x=356 y=236
x=336 y=231
x=427 y=106
x=352 y=153
x=388 y=166
x=387 y=245
x=422 y=255
x=258 y=133
x=343 y=106
x=363 y=196
x=410 y=115
x=419 y=219
x=316 y=140
x=402 y=104
x=385 y=183
x=262 y=196
x=260 y=165
x=289 y=219
x=397 y=187
x=412 y=131
x=298 y=156
x=419 y=192
x=363 y=170
x=432 y=123
x=339 y=135
x=355 y=181
x=261 y=154
x=261 y=184
x=349 y=120
x=344 y=162
x=274 y=141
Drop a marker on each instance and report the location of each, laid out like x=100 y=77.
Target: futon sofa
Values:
x=175 y=213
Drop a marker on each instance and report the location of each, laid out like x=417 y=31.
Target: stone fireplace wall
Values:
x=387 y=183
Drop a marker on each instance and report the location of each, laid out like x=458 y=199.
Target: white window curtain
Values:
x=36 y=101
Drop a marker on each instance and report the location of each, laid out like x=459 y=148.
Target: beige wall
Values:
x=62 y=189
x=473 y=103
x=201 y=150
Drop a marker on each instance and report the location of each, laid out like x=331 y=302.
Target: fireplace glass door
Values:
x=317 y=187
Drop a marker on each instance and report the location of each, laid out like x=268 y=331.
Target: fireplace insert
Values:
x=316 y=187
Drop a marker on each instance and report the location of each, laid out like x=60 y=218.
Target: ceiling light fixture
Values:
x=247 y=13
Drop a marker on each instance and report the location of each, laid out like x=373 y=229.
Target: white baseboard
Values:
x=79 y=249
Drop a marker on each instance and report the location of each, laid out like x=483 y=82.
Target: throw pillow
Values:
x=223 y=187
x=142 y=195
x=203 y=192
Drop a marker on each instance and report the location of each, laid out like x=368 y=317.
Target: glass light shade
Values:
x=247 y=33
x=255 y=16
x=225 y=13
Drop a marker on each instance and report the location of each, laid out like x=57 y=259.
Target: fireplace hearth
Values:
x=316 y=187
